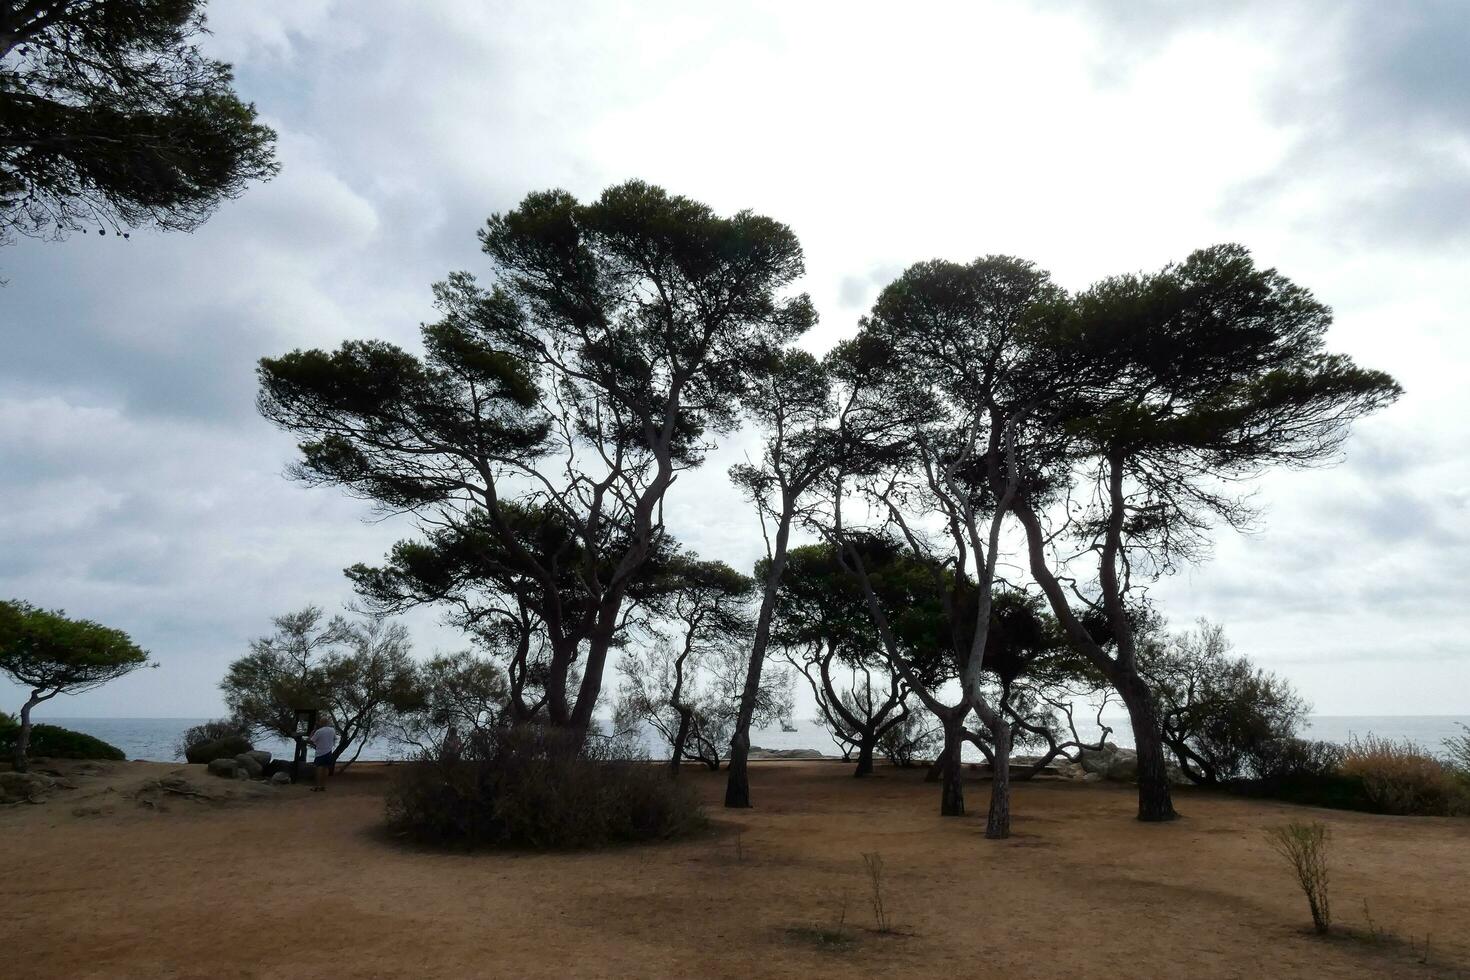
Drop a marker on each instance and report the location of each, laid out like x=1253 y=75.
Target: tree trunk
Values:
x=1155 y=801
x=737 y=793
x=23 y=737
x=936 y=768
x=679 y=738
x=998 y=824
x=737 y=787
x=952 y=791
x=865 y=755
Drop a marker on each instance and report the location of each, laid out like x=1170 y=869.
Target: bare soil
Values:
x=116 y=879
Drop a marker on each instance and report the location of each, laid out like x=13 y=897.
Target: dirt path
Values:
x=284 y=883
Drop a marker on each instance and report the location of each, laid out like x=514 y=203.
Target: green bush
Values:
x=529 y=787
x=221 y=748
x=210 y=731
x=54 y=742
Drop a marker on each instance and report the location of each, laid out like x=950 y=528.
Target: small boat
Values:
x=786 y=726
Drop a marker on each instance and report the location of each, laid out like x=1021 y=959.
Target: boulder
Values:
x=1092 y=777
x=250 y=765
x=1124 y=766
x=221 y=748
x=1096 y=760
x=281 y=779
x=261 y=756
x=28 y=787
x=224 y=768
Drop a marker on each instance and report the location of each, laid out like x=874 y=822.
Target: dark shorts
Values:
x=329 y=761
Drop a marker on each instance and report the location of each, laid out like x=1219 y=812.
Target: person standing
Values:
x=323 y=741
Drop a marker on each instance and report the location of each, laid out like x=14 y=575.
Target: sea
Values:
x=156 y=739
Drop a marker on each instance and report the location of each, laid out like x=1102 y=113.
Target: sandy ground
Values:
x=284 y=883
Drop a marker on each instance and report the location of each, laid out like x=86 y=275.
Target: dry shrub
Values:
x=1304 y=847
x=531 y=787
x=1400 y=776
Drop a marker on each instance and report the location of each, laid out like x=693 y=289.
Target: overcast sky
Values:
x=138 y=487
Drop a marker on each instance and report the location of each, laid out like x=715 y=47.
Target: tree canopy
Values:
x=111 y=116
x=50 y=654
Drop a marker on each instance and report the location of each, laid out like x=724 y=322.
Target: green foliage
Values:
x=53 y=654
x=460 y=690
x=114 y=116
x=1222 y=717
x=226 y=746
x=1304 y=847
x=359 y=674
x=210 y=731
x=1457 y=748
x=532 y=787
x=54 y=742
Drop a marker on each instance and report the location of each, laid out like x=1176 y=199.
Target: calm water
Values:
x=154 y=739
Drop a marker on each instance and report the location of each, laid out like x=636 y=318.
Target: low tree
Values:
x=822 y=628
x=359 y=673
x=700 y=614
x=111 y=115
x=458 y=690
x=1220 y=715
x=50 y=654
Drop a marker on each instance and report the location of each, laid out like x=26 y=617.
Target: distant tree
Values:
x=359 y=673
x=111 y=115
x=672 y=682
x=458 y=690
x=789 y=399
x=50 y=654
x=1220 y=715
x=822 y=628
x=1162 y=393
x=551 y=413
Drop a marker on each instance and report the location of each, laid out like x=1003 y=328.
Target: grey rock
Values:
x=224 y=768
x=1124 y=767
x=227 y=747
x=261 y=756
x=252 y=766
x=1095 y=760
x=1092 y=777
x=281 y=779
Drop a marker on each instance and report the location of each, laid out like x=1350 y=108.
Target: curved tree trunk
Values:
x=23 y=737
x=1155 y=799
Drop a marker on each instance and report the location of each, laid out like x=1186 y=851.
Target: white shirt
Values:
x=324 y=739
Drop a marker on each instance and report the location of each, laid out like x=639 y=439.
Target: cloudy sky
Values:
x=138 y=486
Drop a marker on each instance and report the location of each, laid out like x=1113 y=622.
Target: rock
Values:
x=261 y=756
x=27 y=787
x=251 y=765
x=1095 y=760
x=1124 y=767
x=224 y=768
x=1092 y=777
x=281 y=779
x=222 y=748
x=758 y=754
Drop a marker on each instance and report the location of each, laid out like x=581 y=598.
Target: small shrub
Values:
x=54 y=742
x=1457 y=748
x=1399 y=776
x=1304 y=847
x=221 y=748
x=210 y=731
x=1288 y=758
x=873 y=863
x=913 y=738
x=528 y=786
